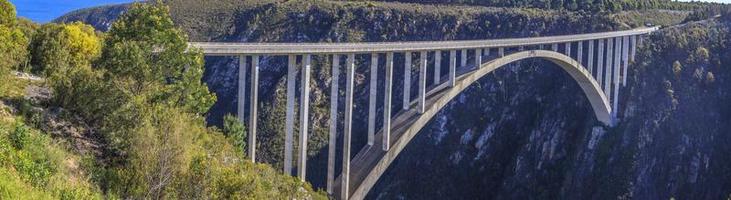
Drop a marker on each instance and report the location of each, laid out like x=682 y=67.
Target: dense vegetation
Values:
x=139 y=90
x=574 y=5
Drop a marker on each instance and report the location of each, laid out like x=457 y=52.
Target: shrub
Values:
x=677 y=68
x=235 y=131
x=20 y=136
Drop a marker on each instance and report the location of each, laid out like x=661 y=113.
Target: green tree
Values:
x=235 y=131
x=12 y=41
x=7 y=16
x=56 y=47
x=145 y=48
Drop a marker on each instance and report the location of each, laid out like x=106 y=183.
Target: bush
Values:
x=60 y=47
x=235 y=131
x=20 y=136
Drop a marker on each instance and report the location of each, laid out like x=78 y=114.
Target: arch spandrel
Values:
x=412 y=123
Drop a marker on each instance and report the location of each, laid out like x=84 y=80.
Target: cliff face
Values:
x=527 y=130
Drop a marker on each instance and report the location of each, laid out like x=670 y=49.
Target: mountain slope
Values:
x=524 y=132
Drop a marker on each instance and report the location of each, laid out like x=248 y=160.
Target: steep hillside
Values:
x=524 y=132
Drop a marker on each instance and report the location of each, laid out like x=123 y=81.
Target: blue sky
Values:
x=46 y=10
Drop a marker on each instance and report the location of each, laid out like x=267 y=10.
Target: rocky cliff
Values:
x=526 y=131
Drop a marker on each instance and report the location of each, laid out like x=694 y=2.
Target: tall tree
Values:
x=12 y=40
x=146 y=48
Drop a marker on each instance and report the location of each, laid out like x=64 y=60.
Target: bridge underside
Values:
x=371 y=162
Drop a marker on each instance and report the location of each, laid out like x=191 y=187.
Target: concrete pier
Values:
x=608 y=67
x=373 y=93
x=590 y=62
x=634 y=49
x=422 y=82
x=554 y=47
x=478 y=58
x=253 y=103
x=567 y=49
x=600 y=64
x=625 y=59
x=241 y=93
x=463 y=61
x=304 y=116
x=615 y=77
x=452 y=67
x=387 y=103
x=348 y=121
x=501 y=52
x=334 y=92
x=437 y=67
x=289 y=118
x=407 y=81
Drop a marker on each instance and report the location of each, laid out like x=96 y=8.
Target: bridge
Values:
x=598 y=62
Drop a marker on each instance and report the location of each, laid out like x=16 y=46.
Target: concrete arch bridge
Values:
x=598 y=62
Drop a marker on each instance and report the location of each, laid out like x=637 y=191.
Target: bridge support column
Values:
x=463 y=62
x=580 y=52
x=241 y=96
x=241 y=91
x=289 y=118
x=554 y=47
x=634 y=48
x=590 y=65
x=640 y=41
x=373 y=93
x=452 y=67
x=608 y=68
x=437 y=67
x=625 y=59
x=567 y=49
x=407 y=80
x=501 y=52
x=304 y=116
x=387 y=103
x=422 y=82
x=253 y=103
x=486 y=51
x=478 y=58
x=345 y=176
x=615 y=80
x=600 y=64
x=334 y=89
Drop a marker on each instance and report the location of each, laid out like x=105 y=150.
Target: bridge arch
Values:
x=436 y=102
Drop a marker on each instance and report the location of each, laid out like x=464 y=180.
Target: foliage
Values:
x=146 y=96
x=594 y=5
x=235 y=131
x=145 y=50
x=657 y=17
x=7 y=16
x=159 y=153
x=12 y=41
x=677 y=68
x=32 y=166
x=56 y=48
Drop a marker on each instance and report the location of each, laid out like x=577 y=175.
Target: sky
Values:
x=43 y=11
